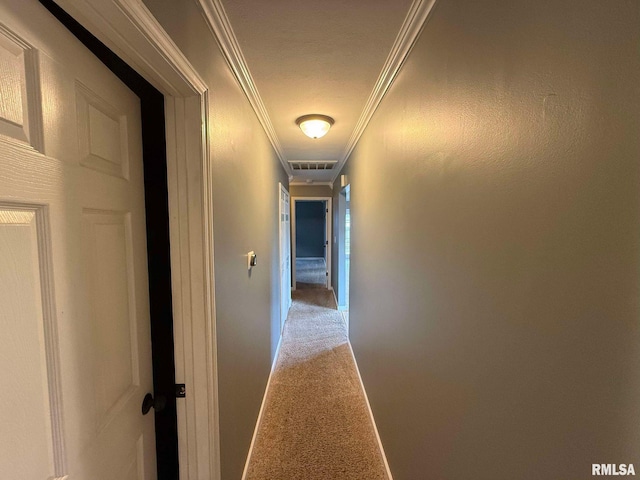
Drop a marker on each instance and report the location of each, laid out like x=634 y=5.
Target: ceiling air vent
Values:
x=312 y=165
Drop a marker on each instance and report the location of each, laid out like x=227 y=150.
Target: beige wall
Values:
x=310 y=191
x=495 y=294
x=246 y=172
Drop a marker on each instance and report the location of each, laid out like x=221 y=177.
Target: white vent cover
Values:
x=312 y=164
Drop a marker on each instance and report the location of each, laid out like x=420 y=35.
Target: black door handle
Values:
x=157 y=403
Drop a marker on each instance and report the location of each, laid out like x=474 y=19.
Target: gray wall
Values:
x=498 y=190
x=246 y=172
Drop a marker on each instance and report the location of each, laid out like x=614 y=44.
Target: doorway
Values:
x=344 y=251
x=310 y=241
x=285 y=254
x=130 y=29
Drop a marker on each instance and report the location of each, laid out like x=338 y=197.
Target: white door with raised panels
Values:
x=75 y=342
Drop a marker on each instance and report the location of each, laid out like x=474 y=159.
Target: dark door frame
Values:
x=158 y=247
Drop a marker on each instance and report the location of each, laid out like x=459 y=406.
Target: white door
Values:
x=285 y=255
x=74 y=313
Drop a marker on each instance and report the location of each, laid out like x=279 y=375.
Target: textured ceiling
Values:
x=315 y=57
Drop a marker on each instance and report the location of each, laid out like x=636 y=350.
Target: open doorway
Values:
x=285 y=254
x=344 y=251
x=310 y=241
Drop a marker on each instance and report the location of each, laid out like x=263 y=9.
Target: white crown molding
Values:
x=312 y=161
x=129 y=29
x=223 y=32
x=406 y=39
x=140 y=16
x=312 y=184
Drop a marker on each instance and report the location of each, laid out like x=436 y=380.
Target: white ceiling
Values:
x=315 y=57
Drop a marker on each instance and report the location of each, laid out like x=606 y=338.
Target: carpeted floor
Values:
x=315 y=423
x=311 y=273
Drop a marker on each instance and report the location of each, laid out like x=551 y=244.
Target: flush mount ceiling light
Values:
x=314 y=126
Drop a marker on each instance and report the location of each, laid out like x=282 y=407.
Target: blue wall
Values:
x=310 y=228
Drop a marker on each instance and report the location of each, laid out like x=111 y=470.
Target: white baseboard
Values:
x=264 y=399
x=338 y=307
x=373 y=421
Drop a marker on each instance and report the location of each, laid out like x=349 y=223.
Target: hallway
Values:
x=315 y=422
x=476 y=167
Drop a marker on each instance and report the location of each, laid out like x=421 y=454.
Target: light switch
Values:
x=252 y=259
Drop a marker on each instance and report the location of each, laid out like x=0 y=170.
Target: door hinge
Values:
x=326 y=274
x=181 y=390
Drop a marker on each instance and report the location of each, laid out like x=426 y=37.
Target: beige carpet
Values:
x=315 y=424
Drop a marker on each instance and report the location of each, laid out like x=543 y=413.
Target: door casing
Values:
x=158 y=257
x=129 y=29
x=341 y=234
x=285 y=244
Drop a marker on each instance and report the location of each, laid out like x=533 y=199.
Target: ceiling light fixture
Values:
x=314 y=126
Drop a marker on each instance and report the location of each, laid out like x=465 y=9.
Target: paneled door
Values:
x=285 y=255
x=75 y=342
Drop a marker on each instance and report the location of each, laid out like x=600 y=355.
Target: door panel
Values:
x=23 y=336
x=102 y=134
x=73 y=200
x=110 y=282
x=19 y=101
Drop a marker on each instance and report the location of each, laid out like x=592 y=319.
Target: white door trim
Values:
x=131 y=31
x=329 y=217
x=283 y=290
